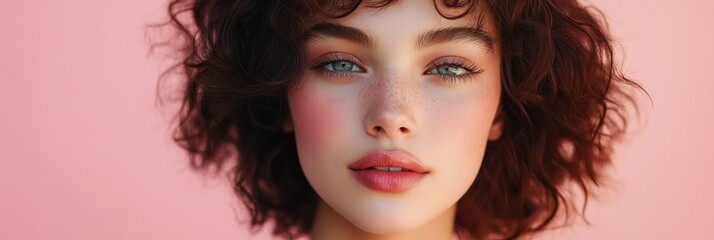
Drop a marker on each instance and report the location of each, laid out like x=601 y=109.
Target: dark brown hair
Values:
x=562 y=104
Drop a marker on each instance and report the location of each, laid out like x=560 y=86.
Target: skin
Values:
x=392 y=96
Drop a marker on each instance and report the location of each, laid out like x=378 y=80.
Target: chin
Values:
x=388 y=222
x=382 y=227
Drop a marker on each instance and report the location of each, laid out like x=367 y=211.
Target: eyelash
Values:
x=319 y=65
x=471 y=69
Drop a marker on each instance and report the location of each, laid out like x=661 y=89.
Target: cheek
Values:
x=324 y=124
x=462 y=142
x=466 y=126
x=314 y=116
x=463 y=124
x=322 y=130
x=461 y=127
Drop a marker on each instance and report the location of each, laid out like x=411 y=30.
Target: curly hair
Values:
x=562 y=104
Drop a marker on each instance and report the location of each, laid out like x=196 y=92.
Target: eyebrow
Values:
x=444 y=35
x=340 y=31
x=437 y=36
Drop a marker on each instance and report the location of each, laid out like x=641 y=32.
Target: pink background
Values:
x=84 y=154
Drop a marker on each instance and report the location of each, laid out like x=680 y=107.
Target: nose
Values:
x=391 y=102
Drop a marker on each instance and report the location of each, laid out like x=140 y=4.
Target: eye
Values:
x=453 y=70
x=337 y=65
x=342 y=66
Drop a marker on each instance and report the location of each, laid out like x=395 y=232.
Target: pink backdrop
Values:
x=85 y=155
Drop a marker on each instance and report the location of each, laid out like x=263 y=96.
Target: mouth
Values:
x=390 y=161
x=390 y=171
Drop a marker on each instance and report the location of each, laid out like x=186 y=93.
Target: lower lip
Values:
x=384 y=181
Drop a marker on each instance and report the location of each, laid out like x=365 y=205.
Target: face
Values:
x=394 y=85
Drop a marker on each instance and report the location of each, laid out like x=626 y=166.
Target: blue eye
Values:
x=342 y=66
x=338 y=66
x=454 y=70
x=450 y=70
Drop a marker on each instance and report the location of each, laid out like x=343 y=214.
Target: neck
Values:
x=329 y=224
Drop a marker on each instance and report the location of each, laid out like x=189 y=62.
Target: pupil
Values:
x=342 y=66
x=448 y=70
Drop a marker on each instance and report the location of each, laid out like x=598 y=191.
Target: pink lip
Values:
x=388 y=181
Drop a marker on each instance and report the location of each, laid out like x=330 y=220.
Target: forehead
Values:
x=472 y=12
x=416 y=21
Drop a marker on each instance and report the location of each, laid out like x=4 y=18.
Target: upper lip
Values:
x=388 y=158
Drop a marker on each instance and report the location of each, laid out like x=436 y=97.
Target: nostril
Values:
x=377 y=129
x=393 y=132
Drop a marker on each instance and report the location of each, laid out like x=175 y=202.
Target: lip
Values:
x=388 y=181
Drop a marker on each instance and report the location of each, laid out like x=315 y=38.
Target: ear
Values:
x=288 y=124
x=496 y=127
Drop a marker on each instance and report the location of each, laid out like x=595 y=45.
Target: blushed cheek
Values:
x=460 y=130
x=315 y=117
x=463 y=126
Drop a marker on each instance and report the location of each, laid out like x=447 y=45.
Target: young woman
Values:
x=414 y=119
